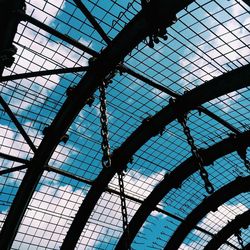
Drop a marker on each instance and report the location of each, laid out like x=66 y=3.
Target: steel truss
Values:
x=149 y=128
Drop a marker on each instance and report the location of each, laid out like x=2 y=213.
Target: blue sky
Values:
x=184 y=61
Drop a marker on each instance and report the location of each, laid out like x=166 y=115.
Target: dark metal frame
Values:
x=107 y=60
x=43 y=73
x=240 y=221
x=175 y=179
x=238 y=186
x=149 y=128
x=17 y=124
x=13 y=158
x=9 y=23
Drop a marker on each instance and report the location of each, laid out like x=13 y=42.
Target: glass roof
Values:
x=208 y=39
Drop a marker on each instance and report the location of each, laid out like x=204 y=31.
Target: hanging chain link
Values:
x=240 y=240
x=124 y=209
x=106 y=158
x=203 y=173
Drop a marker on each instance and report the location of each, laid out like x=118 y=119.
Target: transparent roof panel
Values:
x=51 y=139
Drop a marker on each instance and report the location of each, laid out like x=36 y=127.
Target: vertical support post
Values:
x=8 y=27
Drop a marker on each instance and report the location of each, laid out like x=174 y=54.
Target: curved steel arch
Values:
x=176 y=177
x=240 y=221
x=134 y=32
x=66 y=116
x=228 y=82
x=224 y=194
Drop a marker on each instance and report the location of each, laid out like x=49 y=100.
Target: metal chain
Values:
x=106 y=158
x=124 y=209
x=203 y=173
x=240 y=240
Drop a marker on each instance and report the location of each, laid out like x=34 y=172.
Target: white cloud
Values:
x=105 y=223
x=41 y=230
x=227 y=47
x=213 y=223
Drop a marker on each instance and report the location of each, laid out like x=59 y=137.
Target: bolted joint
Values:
x=241 y=149
x=131 y=160
x=70 y=91
x=182 y=116
x=64 y=138
x=90 y=101
x=161 y=132
x=156 y=26
x=147 y=119
x=108 y=78
x=6 y=56
x=92 y=60
x=242 y=152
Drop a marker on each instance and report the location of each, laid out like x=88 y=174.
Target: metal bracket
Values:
x=156 y=28
x=63 y=139
x=6 y=56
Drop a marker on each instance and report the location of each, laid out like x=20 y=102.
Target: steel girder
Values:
x=134 y=32
x=126 y=69
x=224 y=194
x=11 y=170
x=17 y=124
x=177 y=176
x=92 y=20
x=247 y=2
x=123 y=68
x=151 y=127
x=43 y=73
x=240 y=221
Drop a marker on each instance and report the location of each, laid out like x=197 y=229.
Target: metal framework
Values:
x=177 y=176
x=238 y=186
x=160 y=60
x=150 y=127
x=240 y=221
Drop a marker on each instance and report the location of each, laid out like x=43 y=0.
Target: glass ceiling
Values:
x=55 y=40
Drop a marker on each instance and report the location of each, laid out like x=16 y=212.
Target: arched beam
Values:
x=176 y=177
x=132 y=34
x=240 y=221
x=231 y=81
x=224 y=194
